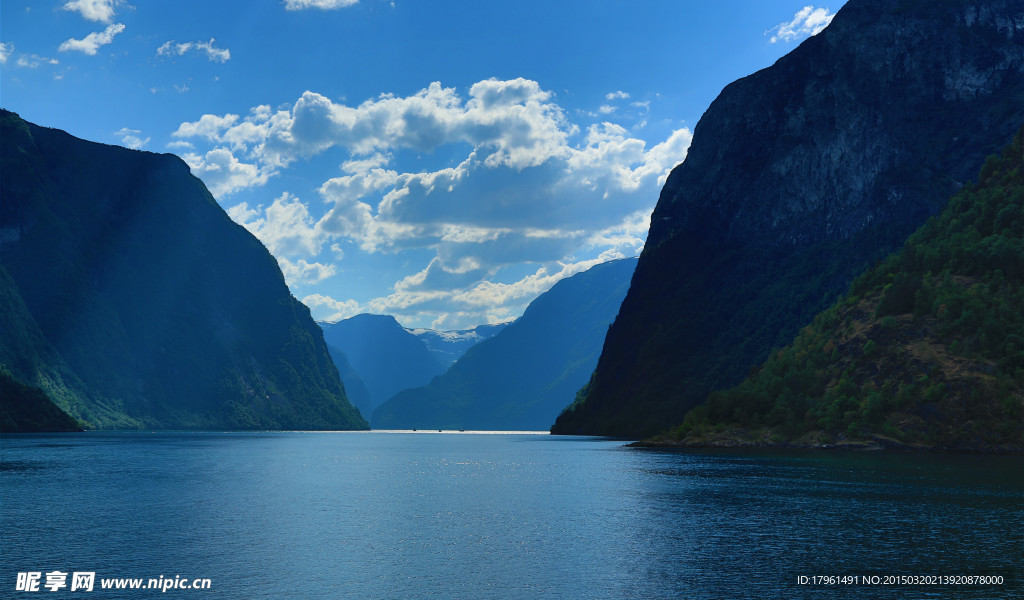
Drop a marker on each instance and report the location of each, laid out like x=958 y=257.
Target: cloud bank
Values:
x=484 y=182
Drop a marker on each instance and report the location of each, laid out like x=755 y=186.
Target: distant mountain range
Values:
x=798 y=178
x=449 y=346
x=521 y=378
x=131 y=300
x=378 y=358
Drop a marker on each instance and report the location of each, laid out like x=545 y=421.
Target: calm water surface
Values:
x=415 y=515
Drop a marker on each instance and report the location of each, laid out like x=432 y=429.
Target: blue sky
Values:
x=444 y=162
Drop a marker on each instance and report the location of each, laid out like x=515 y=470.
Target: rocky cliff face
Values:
x=798 y=177
x=132 y=300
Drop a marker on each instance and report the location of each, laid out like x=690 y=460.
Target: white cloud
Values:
x=500 y=179
x=626 y=237
x=101 y=11
x=488 y=293
x=619 y=95
x=512 y=120
x=285 y=227
x=213 y=53
x=522 y=170
x=6 y=50
x=180 y=145
x=210 y=127
x=131 y=138
x=328 y=309
x=439 y=277
x=353 y=218
x=321 y=4
x=223 y=173
x=302 y=272
x=807 y=21
x=33 y=61
x=454 y=296
x=92 y=42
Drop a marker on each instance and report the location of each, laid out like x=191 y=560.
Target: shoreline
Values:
x=813 y=441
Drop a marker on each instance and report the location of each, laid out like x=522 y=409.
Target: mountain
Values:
x=522 y=377
x=355 y=387
x=131 y=300
x=385 y=356
x=798 y=178
x=927 y=349
x=449 y=346
x=24 y=408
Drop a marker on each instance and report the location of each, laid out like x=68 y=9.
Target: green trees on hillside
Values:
x=24 y=408
x=927 y=347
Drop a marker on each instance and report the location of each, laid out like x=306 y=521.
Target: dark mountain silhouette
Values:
x=798 y=178
x=133 y=301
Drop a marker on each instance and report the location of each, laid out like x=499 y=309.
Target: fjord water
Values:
x=416 y=515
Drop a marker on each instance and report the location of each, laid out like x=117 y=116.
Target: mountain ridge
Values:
x=523 y=376
x=925 y=351
x=798 y=177
x=134 y=301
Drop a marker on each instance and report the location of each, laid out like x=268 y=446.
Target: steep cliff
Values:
x=799 y=176
x=926 y=350
x=132 y=300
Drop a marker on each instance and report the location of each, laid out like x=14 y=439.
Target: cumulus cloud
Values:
x=302 y=272
x=286 y=227
x=101 y=11
x=223 y=173
x=806 y=22
x=479 y=183
x=625 y=237
x=132 y=138
x=488 y=293
x=289 y=231
x=91 y=43
x=210 y=127
x=321 y=4
x=513 y=120
x=522 y=170
x=451 y=297
x=328 y=309
x=5 y=52
x=213 y=53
